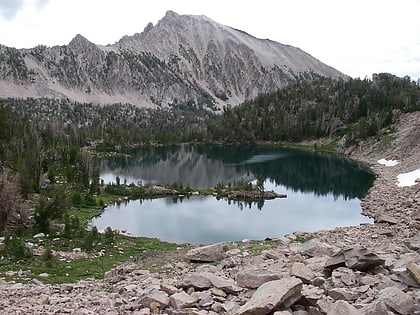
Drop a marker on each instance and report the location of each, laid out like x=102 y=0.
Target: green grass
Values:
x=85 y=213
x=117 y=253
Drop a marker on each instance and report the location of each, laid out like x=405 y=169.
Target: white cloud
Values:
x=10 y=8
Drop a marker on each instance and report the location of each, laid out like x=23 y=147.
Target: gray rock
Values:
x=271 y=254
x=384 y=218
x=403 y=275
x=413 y=242
x=342 y=294
x=302 y=272
x=209 y=253
x=272 y=296
x=375 y=308
x=181 y=300
x=203 y=281
x=253 y=278
x=227 y=285
x=343 y=276
x=168 y=288
x=342 y=308
x=311 y=294
x=156 y=299
x=396 y=300
x=196 y=280
x=414 y=270
x=188 y=311
x=39 y=235
x=315 y=247
x=357 y=258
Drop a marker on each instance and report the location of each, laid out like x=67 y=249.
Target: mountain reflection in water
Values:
x=207 y=165
x=323 y=191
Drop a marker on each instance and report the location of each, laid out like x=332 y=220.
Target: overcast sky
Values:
x=357 y=37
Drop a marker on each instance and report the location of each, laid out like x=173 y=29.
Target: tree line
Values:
x=45 y=143
x=323 y=107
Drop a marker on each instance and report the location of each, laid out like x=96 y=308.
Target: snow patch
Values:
x=408 y=179
x=388 y=162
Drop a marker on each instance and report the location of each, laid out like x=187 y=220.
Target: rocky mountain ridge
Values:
x=183 y=59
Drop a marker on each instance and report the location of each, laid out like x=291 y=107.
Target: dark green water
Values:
x=324 y=191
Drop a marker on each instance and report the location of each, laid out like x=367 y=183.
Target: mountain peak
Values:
x=79 y=43
x=183 y=59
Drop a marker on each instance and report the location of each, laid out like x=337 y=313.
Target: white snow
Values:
x=388 y=162
x=408 y=179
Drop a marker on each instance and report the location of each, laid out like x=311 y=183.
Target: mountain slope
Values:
x=182 y=60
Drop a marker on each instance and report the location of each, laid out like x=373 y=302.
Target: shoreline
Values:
x=170 y=283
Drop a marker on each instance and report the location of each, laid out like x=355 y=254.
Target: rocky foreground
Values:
x=368 y=269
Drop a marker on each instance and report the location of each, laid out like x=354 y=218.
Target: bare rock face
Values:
x=183 y=59
x=272 y=296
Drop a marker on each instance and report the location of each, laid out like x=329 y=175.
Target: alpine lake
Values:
x=323 y=192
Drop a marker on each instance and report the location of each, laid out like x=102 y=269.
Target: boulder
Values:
x=384 y=218
x=315 y=247
x=311 y=294
x=227 y=285
x=396 y=300
x=158 y=299
x=271 y=254
x=413 y=242
x=342 y=308
x=188 y=311
x=253 y=278
x=302 y=272
x=375 y=308
x=414 y=270
x=342 y=294
x=343 y=276
x=196 y=281
x=273 y=296
x=356 y=258
x=209 y=253
x=202 y=281
x=168 y=288
x=181 y=300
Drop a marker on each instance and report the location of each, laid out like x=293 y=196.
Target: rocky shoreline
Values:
x=368 y=269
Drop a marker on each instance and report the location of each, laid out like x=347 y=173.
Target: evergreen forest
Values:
x=48 y=146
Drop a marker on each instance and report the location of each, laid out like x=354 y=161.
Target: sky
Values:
x=357 y=37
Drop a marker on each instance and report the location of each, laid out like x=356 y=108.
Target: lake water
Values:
x=323 y=192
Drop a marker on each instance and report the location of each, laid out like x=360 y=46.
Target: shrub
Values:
x=109 y=235
x=16 y=248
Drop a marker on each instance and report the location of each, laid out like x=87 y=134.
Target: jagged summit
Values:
x=183 y=59
x=80 y=44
